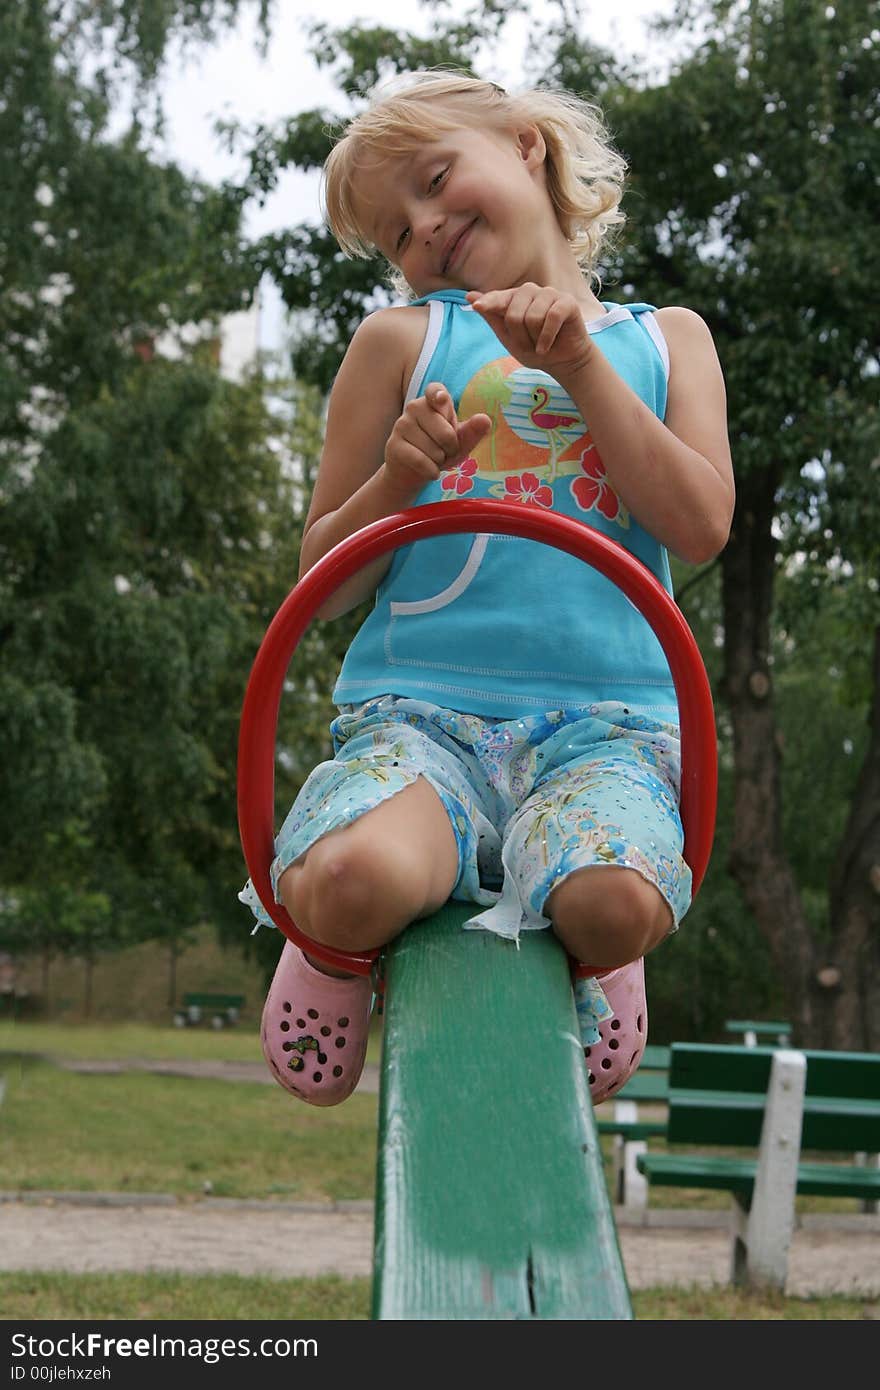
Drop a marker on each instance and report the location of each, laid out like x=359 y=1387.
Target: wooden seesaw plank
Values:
x=491 y=1201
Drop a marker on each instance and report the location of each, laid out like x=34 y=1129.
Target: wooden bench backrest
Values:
x=213 y=1001
x=717 y=1094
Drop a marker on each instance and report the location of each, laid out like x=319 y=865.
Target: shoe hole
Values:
x=295 y=1064
x=615 y=1024
x=342 y=1022
x=639 y=1023
x=325 y=1031
x=287 y=1006
x=300 y=1023
x=613 y=1044
x=633 y=1058
x=312 y=1013
x=337 y=1071
x=284 y=1026
x=322 y=1058
x=605 y=1064
x=592 y=1078
x=340 y=1042
x=586 y=1052
x=287 y=1047
x=316 y=1076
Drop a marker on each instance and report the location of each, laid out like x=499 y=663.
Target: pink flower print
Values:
x=594 y=490
x=460 y=479
x=527 y=487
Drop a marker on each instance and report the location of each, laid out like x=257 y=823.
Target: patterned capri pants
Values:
x=529 y=800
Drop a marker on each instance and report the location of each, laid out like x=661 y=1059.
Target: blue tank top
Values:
x=496 y=625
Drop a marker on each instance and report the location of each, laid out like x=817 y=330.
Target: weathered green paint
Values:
x=491 y=1201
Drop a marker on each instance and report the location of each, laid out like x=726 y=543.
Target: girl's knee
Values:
x=357 y=888
x=609 y=916
x=330 y=894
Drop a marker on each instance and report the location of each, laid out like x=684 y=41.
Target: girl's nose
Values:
x=430 y=228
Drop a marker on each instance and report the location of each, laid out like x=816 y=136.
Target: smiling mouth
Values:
x=457 y=243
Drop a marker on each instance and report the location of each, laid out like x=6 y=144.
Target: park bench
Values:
x=650 y=1084
x=222 y=1009
x=782 y=1104
x=753 y=1031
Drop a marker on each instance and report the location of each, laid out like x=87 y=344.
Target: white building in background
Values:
x=236 y=344
x=240 y=341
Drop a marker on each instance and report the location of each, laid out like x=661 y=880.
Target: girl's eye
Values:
x=402 y=238
x=438 y=178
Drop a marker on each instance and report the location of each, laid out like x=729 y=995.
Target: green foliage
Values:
x=142 y=548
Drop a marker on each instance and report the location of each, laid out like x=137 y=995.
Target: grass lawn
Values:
x=229 y=1297
x=107 y=1041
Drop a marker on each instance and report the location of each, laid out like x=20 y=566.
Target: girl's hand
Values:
x=540 y=327
x=428 y=438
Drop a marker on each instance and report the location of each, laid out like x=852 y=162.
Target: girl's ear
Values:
x=532 y=146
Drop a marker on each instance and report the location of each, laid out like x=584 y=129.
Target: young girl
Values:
x=507 y=731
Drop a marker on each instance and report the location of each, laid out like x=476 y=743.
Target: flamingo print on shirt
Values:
x=538 y=445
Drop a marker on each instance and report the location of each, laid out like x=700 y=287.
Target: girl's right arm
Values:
x=378 y=456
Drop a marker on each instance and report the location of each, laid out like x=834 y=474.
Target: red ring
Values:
x=259 y=717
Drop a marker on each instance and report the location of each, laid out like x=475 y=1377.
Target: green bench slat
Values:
x=213 y=1001
x=719 y=1117
x=694 y=1170
x=633 y=1129
x=722 y=1067
x=645 y=1085
x=738 y=1175
x=655 y=1057
x=761 y=1028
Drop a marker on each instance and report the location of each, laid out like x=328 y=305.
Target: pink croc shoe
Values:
x=613 y=1059
x=314 y=1029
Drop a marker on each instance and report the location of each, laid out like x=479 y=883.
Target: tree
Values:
x=143 y=544
x=755 y=205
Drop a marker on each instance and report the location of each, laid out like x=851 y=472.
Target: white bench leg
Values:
x=766 y=1238
x=869 y=1204
x=630 y=1186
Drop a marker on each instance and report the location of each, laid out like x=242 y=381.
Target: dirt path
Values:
x=87 y=1232
x=206 y=1069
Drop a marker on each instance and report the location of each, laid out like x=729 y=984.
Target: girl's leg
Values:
x=357 y=887
x=608 y=918
x=596 y=849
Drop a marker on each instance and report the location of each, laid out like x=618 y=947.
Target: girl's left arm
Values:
x=675 y=475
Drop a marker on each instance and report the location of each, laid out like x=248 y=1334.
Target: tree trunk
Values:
x=847 y=987
x=89 y=963
x=758 y=860
x=173 y=957
x=46 y=963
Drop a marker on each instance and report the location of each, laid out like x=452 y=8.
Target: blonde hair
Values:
x=585 y=174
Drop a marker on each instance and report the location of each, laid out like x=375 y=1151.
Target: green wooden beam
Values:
x=491 y=1200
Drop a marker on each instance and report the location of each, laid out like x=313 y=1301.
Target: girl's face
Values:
x=469 y=210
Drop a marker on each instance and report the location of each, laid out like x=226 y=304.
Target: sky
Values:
x=232 y=79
